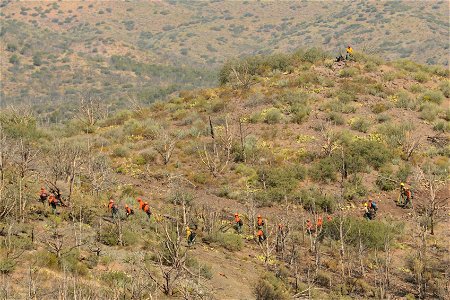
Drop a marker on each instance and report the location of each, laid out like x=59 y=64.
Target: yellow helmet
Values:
x=402 y=184
x=365 y=204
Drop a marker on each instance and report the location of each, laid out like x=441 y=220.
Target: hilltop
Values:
x=289 y=136
x=53 y=51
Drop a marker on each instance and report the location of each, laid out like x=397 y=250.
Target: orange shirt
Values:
x=319 y=222
x=141 y=204
x=260 y=222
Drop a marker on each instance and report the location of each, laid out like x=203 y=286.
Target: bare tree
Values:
x=170 y=260
x=165 y=144
x=216 y=155
x=433 y=207
x=91 y=110
x=241 y=78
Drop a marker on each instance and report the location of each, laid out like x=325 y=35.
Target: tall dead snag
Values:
x=91 y=110
x=169 y=260
x=216 y=154
x=165 y=144
x=432 y=206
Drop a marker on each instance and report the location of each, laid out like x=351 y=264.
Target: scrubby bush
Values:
x=373 y=234
x=442 y=126
x=360 y=124
x=7 y=265
x=360 y=153
x=335 y=118
x=323 y=170
x=379 y=107
x=429 y=111
x=445 y=88
x=421 y=77
x=121 y=151
x=432 y=96
x=348 y=72
x=270 y=287
x=300 y=113
x=273 y=116
x=314 y=200
x=354 y=188
x=229 y=241
x=404 y=101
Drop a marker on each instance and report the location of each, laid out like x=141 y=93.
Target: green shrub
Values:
x=385 y=181
x=121 y=151
x=421 y=77
x=354 y=188
x=361 y=153
x=373 y=234
x=442 y=126
x=115 y=278
x=445 y=88
x=348 y=72
x=417 y=88
x=300 y=113
x=270 y=287
x=405 y=101
x=360 y=124
x=429 y=111
x=109 y=235
x=323 y=170
x=314 y=200
x=395 y=133
x=335 y=118
x=432 y=96
x=273 y=116
x=379 y=107
x=7 y=265
x=71 y=262
x=229 y=241
x=346 y=97
x=46 y=259
x=323 y=278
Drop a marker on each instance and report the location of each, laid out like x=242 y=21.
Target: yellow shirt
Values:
x=350 y=50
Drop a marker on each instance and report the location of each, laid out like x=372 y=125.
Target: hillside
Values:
x=53 y=51
x=292 y=137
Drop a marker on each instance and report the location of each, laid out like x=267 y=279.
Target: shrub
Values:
x=7 y=265
x=300 y=113
x=421 y=77
x=384 y=180
x=429 y=111
x=372 y=234
x=313 y=199
x=348 y=72
x=270 y=287
x=395 y=133
x=354 y=188
x=121 y=151
x=442 y=126
x=360 y=124
x=14 y=59
x=323 y=170
x=379 y=107
x=273 y=116
x=417 y=88
x=405 y=101
x=229 y=241
x=346 y=97
x=335 y=118
x=445 y=88
x=361 y=153
x=433 y=96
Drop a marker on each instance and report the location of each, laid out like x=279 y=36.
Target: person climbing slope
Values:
x=43 y=195
x=349 y=51
x=52 y=201
x=112 y=207
x=128 y=210
x=260 y=229
x=146 y=209
x=238 y=223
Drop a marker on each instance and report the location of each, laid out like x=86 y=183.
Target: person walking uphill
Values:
x=238 y=223
x=141 y=203
x=43 y=195
x=260 y=229
x=128 y=210
x=113 y=208
x=52 y=201
x=349 y=54
x=146 y=209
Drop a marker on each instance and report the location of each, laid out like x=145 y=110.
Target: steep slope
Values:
x=291 y=137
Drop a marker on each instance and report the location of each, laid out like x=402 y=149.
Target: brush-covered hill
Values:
x=291 y=137
x=54 y=50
